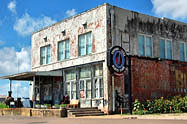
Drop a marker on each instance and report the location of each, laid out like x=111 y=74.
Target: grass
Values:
x=3 y=105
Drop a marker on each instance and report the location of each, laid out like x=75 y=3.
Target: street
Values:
x=32 y=120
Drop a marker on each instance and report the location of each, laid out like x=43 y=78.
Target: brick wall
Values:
x=152 y=78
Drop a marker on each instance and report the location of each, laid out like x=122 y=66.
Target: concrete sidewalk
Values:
x=175 y=116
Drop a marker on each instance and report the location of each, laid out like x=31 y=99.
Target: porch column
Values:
x=10 y=85
x=10 y=92
x=39 y=90
x=34 y=93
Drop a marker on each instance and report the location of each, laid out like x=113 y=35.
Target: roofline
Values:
x=105 y=4
x=28 y=76
x=66 y=19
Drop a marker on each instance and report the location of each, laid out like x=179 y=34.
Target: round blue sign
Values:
x=118 y=59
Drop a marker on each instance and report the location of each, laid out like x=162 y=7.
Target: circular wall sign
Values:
x=117 y=59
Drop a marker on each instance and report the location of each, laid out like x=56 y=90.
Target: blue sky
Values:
x=19 y=18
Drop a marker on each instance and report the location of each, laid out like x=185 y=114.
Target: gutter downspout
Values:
x=112 y=25
x=113 y=39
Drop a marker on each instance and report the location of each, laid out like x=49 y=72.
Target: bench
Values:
x=73 y=104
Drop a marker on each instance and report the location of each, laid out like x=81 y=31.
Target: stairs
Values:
x=79 y=112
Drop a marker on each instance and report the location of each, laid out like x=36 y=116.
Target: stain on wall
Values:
x=152 y=78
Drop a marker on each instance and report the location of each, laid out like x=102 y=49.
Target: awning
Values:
x=28 y=76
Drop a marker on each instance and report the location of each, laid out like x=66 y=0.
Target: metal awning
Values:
x=28 y=76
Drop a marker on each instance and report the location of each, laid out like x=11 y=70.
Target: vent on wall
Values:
x=85 y=25
x=64 y=32
x=45 y=39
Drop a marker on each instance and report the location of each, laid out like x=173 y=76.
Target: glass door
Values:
x=85 y=88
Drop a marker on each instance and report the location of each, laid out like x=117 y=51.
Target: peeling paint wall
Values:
x=121 y=29
x=96 y=23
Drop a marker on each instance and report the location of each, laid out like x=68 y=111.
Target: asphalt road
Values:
x=31 y=120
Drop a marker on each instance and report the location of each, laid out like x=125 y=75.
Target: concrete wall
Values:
x=33 y=112
x=123 y=28
x=128 y=24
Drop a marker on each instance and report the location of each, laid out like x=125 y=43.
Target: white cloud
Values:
x=27 y=24
x=19 y=89
x=12 y=6
x=170 y=8
x=71 y=12
x=12 y=61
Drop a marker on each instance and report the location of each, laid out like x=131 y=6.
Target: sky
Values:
x=19 y=18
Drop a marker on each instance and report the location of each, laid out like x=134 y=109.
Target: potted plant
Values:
x=56 y=106
x=63 y=106
x=37 y=106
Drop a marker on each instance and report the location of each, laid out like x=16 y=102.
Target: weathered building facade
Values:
x=78 y=46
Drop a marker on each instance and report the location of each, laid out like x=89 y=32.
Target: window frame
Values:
x=185 y=51
x=70 y=82
x=145 y=43
x=85 y=44
x=46 y=55
x=98 y=77
x=64 y=50
x=165 y=48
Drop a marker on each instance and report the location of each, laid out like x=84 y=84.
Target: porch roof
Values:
x=28 y=76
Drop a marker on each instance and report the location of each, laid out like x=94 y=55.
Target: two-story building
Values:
x=76 y=49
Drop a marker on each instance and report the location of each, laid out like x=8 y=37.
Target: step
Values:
x=79 y=110
x=91 y=114
x=86 y=112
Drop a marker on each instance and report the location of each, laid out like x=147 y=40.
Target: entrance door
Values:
x=85 y=92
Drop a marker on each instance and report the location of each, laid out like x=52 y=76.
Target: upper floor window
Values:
x=45 y=55
x=144 y=45
x=85 y=44
x=183 y=51
x=166 y=49
x=63 y=50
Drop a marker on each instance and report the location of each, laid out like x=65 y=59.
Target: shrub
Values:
x=3 y=105
x=63 y=105
x=161 y=105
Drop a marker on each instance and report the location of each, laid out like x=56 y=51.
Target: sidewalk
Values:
x=176 y=116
